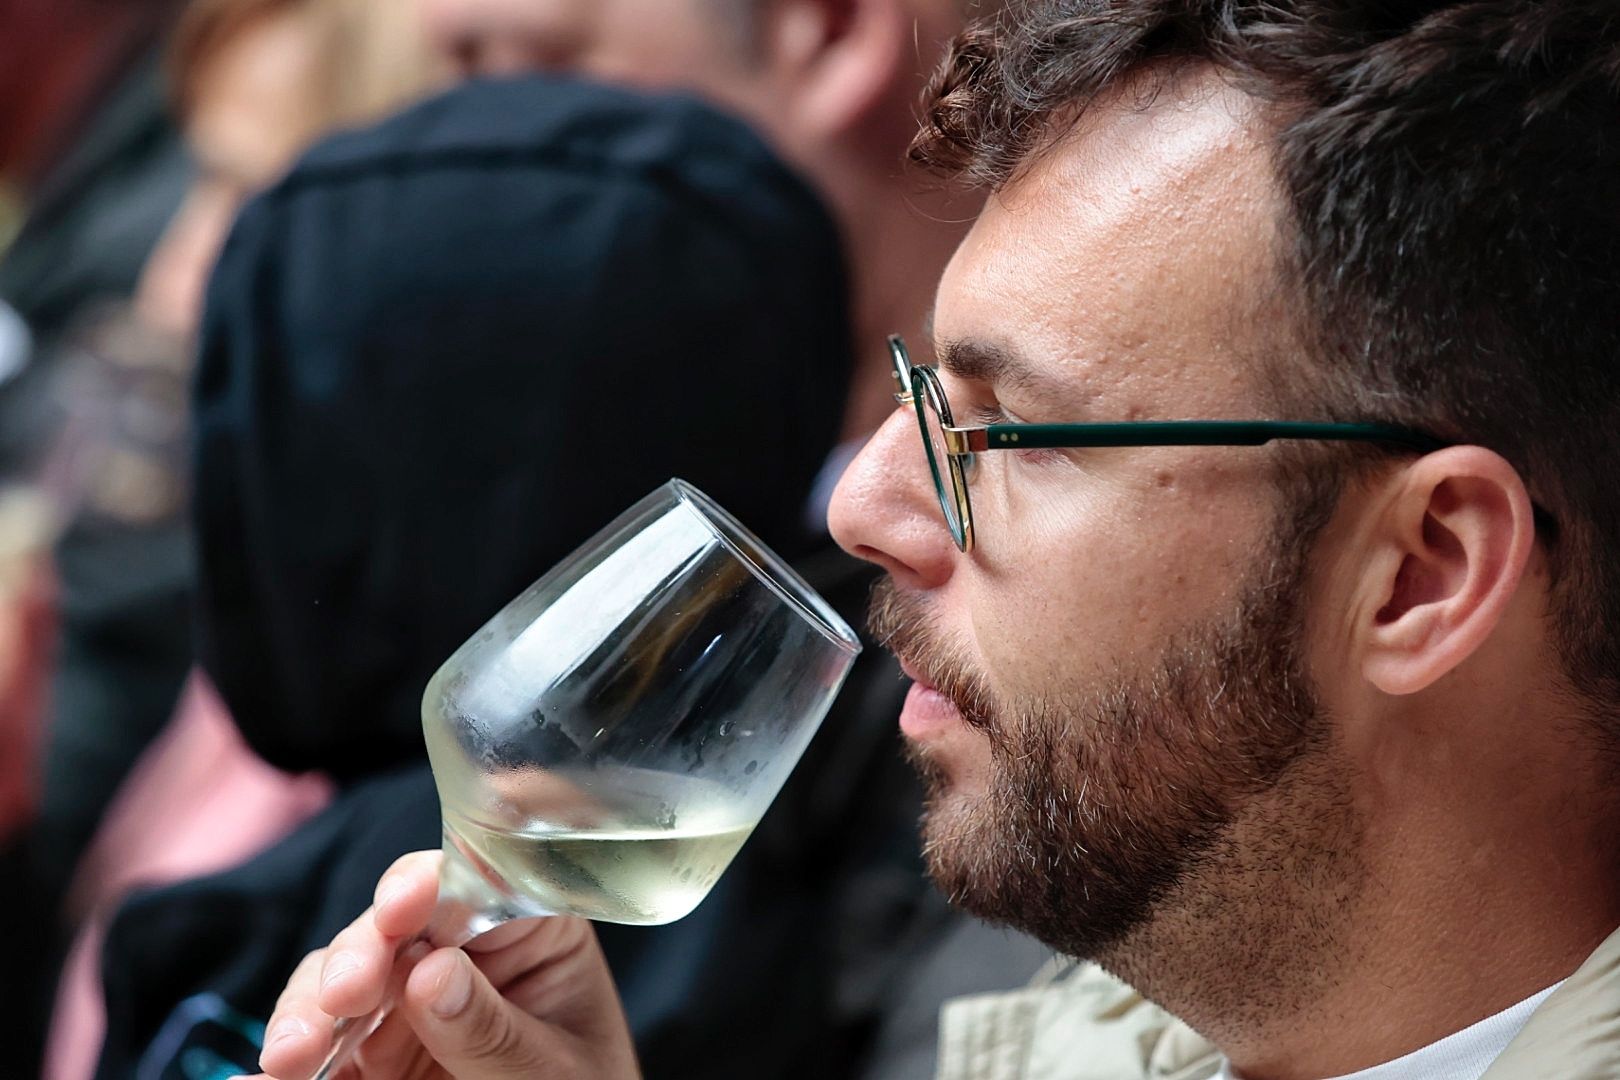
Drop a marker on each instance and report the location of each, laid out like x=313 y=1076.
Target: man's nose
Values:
x=885 y=509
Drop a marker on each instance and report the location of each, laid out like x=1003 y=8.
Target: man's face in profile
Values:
x=1114 y=709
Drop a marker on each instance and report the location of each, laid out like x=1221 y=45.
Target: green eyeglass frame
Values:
x=950 y=448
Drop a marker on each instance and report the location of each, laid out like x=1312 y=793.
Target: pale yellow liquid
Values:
x=610 y=842
x=641 y=876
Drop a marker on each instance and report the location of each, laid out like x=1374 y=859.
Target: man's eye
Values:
x=995 y=413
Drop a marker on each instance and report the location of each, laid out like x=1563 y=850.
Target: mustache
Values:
x=902 y=623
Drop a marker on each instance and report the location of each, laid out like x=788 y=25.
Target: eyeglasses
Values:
x=951 y=449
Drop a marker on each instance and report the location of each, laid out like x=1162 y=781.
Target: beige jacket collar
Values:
x=1077 y=1022
x=1575 y=1034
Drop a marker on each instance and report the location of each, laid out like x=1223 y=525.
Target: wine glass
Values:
x=605 y=744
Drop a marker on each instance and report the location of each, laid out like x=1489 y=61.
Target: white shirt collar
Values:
x=1464 y=1055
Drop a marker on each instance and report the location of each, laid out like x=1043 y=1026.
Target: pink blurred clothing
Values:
x=199 y=801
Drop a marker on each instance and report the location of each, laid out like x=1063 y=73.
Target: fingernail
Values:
x=455 y=990
x=338 y=968
x=288 y=1027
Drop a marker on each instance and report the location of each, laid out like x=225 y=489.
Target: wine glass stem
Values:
x=454 y=923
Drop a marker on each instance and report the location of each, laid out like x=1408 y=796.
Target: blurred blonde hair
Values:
x=371 y=57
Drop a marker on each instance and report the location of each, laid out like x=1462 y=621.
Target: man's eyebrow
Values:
x=982 y=361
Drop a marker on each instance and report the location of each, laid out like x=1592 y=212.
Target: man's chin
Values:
x=957 y=850
x=992 y=873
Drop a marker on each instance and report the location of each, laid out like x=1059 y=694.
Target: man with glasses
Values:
x=1256 y=566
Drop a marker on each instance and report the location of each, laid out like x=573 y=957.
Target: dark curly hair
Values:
x=1451 y=249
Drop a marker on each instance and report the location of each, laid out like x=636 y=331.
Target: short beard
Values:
x=1105 y=800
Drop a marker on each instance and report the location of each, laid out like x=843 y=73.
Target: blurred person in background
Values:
x=831 y=86
x=253 y=82
x=89 y=170
x=388 y=339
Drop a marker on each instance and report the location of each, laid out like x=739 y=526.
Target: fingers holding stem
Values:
x=354 y=975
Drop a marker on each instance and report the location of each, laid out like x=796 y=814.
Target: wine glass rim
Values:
x=776 y=574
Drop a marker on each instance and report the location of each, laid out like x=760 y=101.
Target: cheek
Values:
x=1078 y=579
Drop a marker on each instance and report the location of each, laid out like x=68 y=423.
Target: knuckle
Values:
x=301 y=983
x=494 y=1037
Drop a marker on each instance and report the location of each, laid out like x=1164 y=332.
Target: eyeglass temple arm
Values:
x=1179 y=433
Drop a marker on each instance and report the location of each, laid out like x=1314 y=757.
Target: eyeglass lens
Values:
x=947 y=476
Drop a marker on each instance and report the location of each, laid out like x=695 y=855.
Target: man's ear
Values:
x=1450 y=550
x=836 y=59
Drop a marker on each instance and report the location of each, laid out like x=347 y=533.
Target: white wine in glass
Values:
x=605 y=744
x=623 y=872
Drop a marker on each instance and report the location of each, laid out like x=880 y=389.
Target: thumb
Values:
x=475 y=1033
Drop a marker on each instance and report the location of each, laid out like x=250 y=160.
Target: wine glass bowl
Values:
x=607 y=741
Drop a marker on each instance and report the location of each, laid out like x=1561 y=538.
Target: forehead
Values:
x=1130 y=260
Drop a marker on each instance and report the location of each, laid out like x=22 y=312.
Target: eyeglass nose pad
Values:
x=900 y=370
x=900 y=358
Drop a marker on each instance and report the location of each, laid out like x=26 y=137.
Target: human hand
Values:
x=532 y=998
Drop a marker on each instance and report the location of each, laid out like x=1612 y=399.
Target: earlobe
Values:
x=1455 y=539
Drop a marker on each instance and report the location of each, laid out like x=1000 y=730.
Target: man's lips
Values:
x=927 y=712
x=910 y=671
